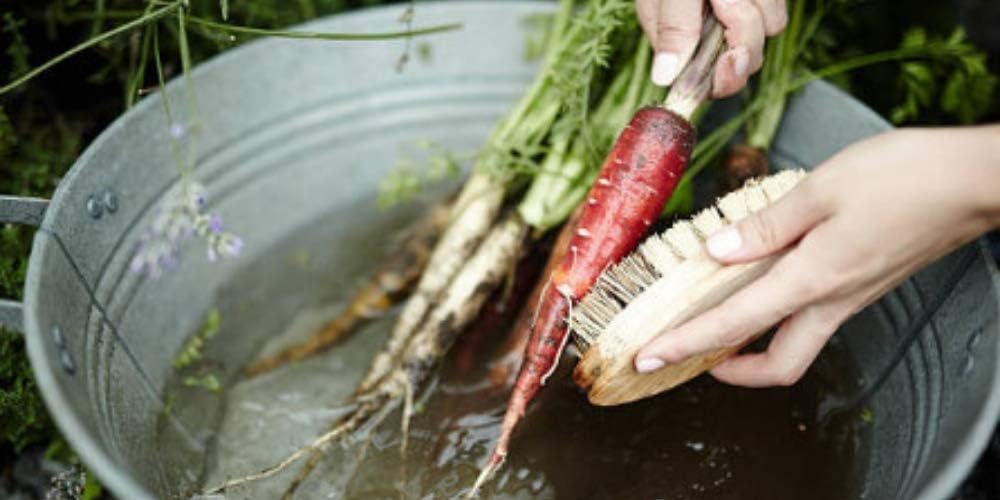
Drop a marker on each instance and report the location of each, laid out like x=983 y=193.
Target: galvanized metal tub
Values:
x=296 y=134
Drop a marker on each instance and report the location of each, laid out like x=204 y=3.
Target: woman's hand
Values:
x=856 y=227
x=674 y=28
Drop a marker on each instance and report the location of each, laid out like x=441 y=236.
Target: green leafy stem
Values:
x=153 y=15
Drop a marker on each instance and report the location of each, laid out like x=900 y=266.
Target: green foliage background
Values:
x=45 y=124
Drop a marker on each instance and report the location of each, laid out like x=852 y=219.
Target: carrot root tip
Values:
x=496 y=460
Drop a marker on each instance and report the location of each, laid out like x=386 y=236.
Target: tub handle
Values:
x=18 y=210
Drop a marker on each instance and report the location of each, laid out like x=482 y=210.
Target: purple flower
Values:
x=176 y=221
x=233 y=246
x=177 y=131
x=194 y=197
x=178 y=230
x=224 y=245
x=215 y=223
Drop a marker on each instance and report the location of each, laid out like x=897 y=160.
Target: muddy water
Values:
x=702 y=440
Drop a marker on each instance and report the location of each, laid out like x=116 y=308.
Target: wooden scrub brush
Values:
x=666 y=281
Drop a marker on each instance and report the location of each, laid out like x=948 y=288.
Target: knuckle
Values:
x=735 y=14
x=811 y=287
x=793 y=275
x=807 y=190
x=729 y=335
x=668 y=31
x=646 y=6
x=812 y=196
x=646 y=12
x=725 y=84
x=763 y=229
x=785 y=372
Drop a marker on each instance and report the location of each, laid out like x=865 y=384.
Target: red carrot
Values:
x=511 y=353
x=634 y=183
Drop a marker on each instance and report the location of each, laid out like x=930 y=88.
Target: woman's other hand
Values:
x=855 y=228
x=674 y=28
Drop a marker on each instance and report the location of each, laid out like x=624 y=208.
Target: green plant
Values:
x=157 y=10
x=954 y=82
x=192 y=350
x=194 y=371
x=960 y=86
x=23 y=419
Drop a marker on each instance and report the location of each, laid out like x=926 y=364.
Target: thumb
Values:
x=673 y=27
x=770 y=230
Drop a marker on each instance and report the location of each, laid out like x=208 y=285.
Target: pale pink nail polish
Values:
x=646 y=365
x=665 y=68
x=724 y=243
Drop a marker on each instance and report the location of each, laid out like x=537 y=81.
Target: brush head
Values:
x=667 y=280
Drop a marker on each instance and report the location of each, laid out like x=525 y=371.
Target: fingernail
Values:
x=646 y=365
x=724 y=243
x=665 y=68
x=741 y=62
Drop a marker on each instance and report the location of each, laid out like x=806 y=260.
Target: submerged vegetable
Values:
x=386 y=287
x=459 y=305
x=472 y=217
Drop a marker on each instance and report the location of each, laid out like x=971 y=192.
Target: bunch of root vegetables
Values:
x=589 y=158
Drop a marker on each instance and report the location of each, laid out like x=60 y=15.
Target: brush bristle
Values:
x=684 y=240
x=707 y=222
x=658 y=254
x=616 y=286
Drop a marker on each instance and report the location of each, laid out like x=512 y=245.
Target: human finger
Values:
x=745 y=33
x=791 y=351
x=775 y=15
x=772 y=229
x=673 y=27
x=784 y=289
